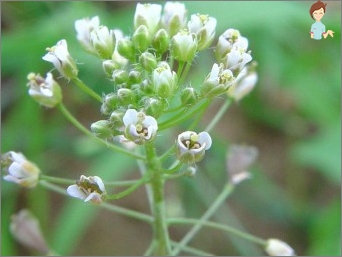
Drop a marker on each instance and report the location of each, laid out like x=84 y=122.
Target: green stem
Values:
x=218 y=226
x=111 y=207
x=87 y=89
x=184 y=73
x=218 y=116
x=211 y=210
x=78 y=125
x=160 y=232
x=193 y=251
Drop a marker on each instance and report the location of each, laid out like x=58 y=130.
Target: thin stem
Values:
x=192 y=250
x=184 y=73
x=87 y=89
x=78 y=125
x=218 y=226
x=218 y=116
x=211 y=210
x=167 y=153
x=111 y=207
x=160 y=232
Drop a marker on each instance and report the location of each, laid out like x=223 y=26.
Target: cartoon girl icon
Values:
x=317 y=12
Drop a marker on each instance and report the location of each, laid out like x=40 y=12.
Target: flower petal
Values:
x=74 y=191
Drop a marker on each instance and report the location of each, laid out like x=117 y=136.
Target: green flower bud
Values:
x=184 y=46
x=174 y=17
x=120 y=76
x=102 y=129
x=109 y=66
x=148 y=61
x=125 y=48
x=110 y=103
x=126 y=96
x=188 y=96
x=164 y=80
x=154 y=106
x=134 y=77
x=141 y=38
x=46 y=91
x=161 y=41
x=116 y=118
x=147 y=87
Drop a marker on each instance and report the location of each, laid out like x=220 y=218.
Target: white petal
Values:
x=204 y=138
x=74 y=191
x=16 y=170
x=99 y=182
x=130 y=117
x=94 y=197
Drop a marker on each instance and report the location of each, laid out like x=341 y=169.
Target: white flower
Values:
x=26 y=229
x=243 y=86
x=19 y=170
x=164 y=80
x=276 y=247
x=59 y=56
x=236 y=60
x=174 y=17
x=83 y=28
x=148 y=15
x=88 y=189
x=204 y=28
x=139 y=127
x=46 y=91
x=184 y=46
x=119 y=60
x=103 y=41
x=191 y=146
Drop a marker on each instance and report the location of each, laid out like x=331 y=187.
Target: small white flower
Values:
x=174 y=17
x=191 y=146
x=103 y=41
x=19 y=170
x=59 y=56
x=139 y=127
x=164 y=80
x=26 y=229
x=243 y=86
x=236 y=60
x=88 y=189
x=184 y=46
x=148 y=15
x=83 y=28
x=276 y=247
x=204 y=28
x=46 y=91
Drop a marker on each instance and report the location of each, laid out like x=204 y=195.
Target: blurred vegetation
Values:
x=292 y=116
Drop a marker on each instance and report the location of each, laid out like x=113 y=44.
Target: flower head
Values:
x=276 y=247
x=88 y=189
x=174 y=17
x=19 y=170
x=59 y=56
x=204 y=28
x=83 y=28
x=46 y=91
x=139 y=127
x=191 y=146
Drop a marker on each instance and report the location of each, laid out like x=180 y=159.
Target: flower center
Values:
x=190 y=144
x=88 y=187
x=141 y=130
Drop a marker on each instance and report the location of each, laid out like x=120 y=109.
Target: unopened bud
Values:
x=184 y=46
x=126 y=96
x=125 y=48
x=161 y=41
x=188 y=96
x=148 y=61
x=120 y=76
x=102 y=129
x=276 y=247
x=141 y=38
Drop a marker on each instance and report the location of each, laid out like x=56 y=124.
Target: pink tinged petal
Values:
x=205 y=139
x=130 y=117
x=74 y=191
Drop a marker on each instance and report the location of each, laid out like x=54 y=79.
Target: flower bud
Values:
x=184 y=46
x=188 y=96
x=174 y=17
x=134 y=77
x=109 y=66
x=154 y=106
x=103 y=41
x=147 y=87
x=19 y=170
x=204 y=28
x=164 y=80
x=116 y=118
x=46 y=92
x=120 y=76
x=111 y=102
x=83 y=28
x=88 y=189
x=125 y=48
x=191 y=171
x=141 y=38
x=148 y=15
x=161 y=41
x=102 y=129
x=191 y=146
x=26 y=229
x=126 y=96
x=276 y=247
x=139 y=127
x=148 y=61
x=59 y=56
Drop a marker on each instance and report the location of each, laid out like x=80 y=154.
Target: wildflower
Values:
x=46 y=91
x=148 y=15
x=276 y=247
x=59 y=56
x=83 y=28
x=184 y=46
x=204 y=28
x=19 y=170
x=26 y=229
x=191 y=146
x=239 y=158
x=217 y=81
x=243 y=86
x=88 y=189
x=139 y=127
x=236 y=60
x=103 y=41
x=164 y=80
x=174 y=17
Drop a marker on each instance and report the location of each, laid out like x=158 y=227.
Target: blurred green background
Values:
x=292 y=117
